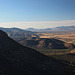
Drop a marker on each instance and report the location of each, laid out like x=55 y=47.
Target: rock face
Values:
x=16 y=59
x=47 y=43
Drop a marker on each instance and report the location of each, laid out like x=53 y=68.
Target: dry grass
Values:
x=68 y=37
x=73 y=51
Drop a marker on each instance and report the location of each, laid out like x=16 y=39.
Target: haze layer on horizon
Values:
x=38 y=25
x=37 y=13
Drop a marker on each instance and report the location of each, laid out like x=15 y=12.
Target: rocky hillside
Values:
x=47 y=43
x=16 y=59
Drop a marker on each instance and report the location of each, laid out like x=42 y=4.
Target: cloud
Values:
x=45 y=24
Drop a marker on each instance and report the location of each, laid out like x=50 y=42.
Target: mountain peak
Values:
x=3 y=34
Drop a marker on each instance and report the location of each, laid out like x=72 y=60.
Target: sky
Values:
x=37 y=13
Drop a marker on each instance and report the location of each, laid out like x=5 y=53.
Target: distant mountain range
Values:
x=16 y=59
x=29 y=31
x=33 y=29
x=38 y=30
x=61 y=28
x=65 y=28
x=29 y=38
x=17 y=33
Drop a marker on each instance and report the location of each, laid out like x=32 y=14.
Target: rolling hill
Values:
x=47 y=43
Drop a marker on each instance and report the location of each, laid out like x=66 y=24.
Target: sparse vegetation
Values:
x=53 y=51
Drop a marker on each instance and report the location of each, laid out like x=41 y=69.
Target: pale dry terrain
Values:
x=68 y=37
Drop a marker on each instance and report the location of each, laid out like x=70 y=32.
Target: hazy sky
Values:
x=37 y=13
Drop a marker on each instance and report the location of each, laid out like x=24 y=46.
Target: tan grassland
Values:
x=68 y=37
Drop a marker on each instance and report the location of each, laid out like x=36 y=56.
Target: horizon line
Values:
x=38 y=25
